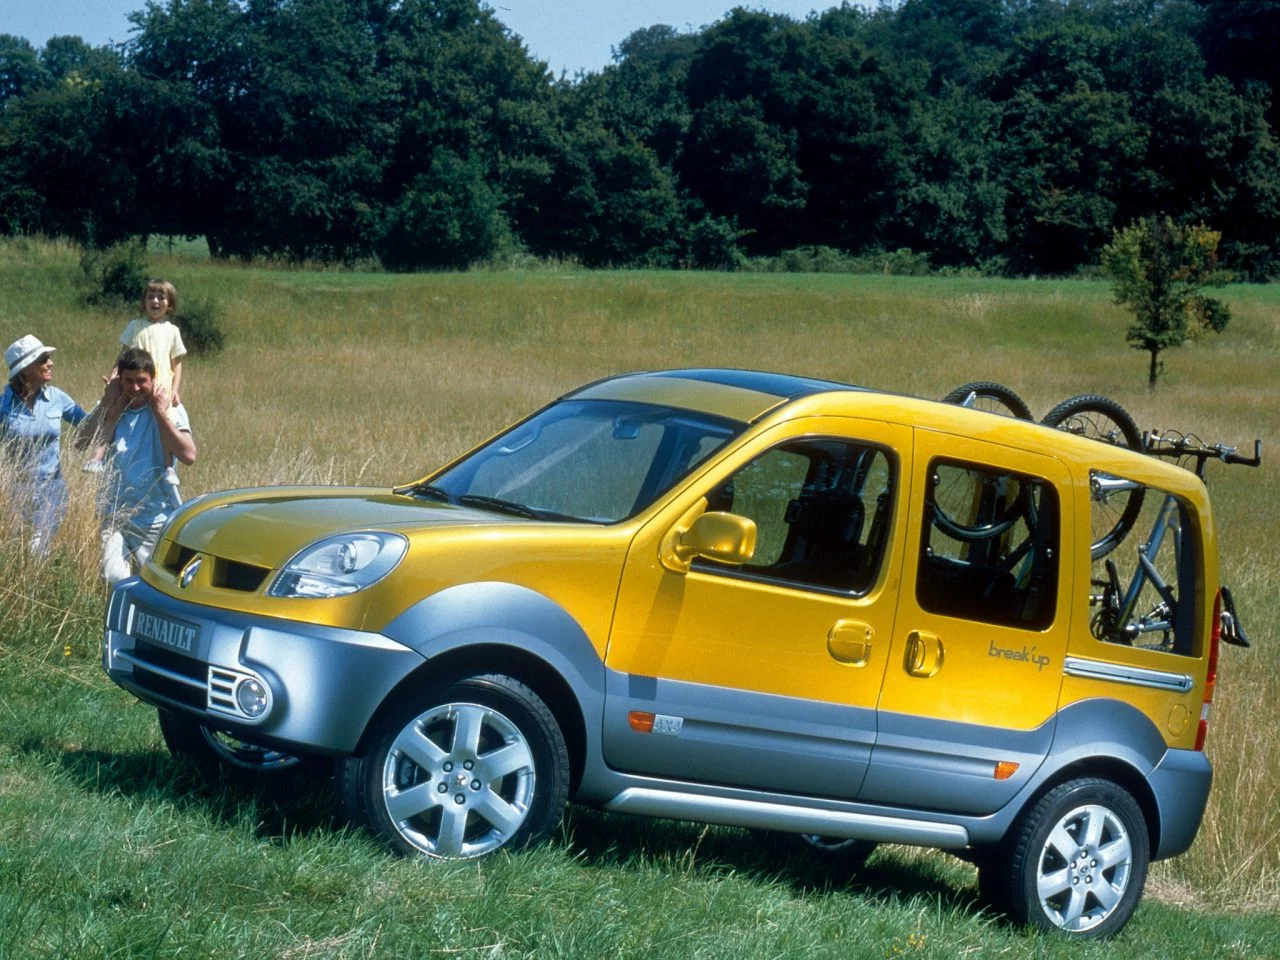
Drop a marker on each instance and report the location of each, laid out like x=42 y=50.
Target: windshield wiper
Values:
x=429 y=491
x=500 y=505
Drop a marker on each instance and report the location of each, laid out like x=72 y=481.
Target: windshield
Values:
x=591 y=460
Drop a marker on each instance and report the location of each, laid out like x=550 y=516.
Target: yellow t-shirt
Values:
x=163 y=340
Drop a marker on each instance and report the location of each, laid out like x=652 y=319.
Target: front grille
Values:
x=177 y=557
x=145 y=654
x=169 y=689
x=226 y=574
x=167 y=674
x=238 y=576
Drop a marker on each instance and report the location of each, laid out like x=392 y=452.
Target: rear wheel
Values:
x=991 y=397
x=844 y=853
x=465 y=770
x=1077 y=861
x=1099 y=418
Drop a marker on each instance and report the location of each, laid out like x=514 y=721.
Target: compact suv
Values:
x=724 y=596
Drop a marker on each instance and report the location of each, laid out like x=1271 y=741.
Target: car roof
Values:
x=782 y=385
x=745 y=395
x=750 y=396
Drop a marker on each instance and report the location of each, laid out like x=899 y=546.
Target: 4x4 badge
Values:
x=189 y=571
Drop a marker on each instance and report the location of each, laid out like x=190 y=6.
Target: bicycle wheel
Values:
x=1102 y=419
x=991 y=397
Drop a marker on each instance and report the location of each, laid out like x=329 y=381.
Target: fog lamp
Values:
x=252 y=698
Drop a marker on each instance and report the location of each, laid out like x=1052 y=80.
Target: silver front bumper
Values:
x=323 y=683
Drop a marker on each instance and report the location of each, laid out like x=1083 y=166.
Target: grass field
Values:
x=109 y=848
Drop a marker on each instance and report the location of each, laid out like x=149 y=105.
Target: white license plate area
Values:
x=166 y=632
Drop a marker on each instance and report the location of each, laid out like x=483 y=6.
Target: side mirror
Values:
x=723 y=537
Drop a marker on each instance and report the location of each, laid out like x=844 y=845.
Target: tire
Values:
x=1077 y=861
x=1102 y=419
x=848 y=852
x=462 y=771
x=218 y=754
x=991 y=397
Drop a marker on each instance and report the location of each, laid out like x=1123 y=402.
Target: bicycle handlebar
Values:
x=1175 y=445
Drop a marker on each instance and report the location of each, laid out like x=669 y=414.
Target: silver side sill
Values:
x=647 y=802
x=1135 y=676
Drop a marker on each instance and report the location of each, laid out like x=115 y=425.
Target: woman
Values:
x=31 y=414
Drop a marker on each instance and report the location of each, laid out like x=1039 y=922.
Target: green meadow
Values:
x=109 y=848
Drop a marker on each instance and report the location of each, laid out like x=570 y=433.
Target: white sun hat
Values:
x=23 y=352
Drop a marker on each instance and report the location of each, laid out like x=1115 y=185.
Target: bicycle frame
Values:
x=1147 y=572
x=1116 y=622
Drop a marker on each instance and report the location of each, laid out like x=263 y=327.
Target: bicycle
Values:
x=1102 y=419
x=1115 y=620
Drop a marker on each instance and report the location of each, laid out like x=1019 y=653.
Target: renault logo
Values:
x=189 y=571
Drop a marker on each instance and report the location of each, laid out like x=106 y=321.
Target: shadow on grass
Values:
x=285 y=806
x=609 y=840
x=282 y=806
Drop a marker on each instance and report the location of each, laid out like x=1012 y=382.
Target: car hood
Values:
x=266 y=527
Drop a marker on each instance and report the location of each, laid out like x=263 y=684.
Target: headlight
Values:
x=340 y=565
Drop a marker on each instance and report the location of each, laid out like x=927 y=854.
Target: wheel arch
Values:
x=1104 y=738
x=513 y=661
x=1117 y=771
x=500 y=627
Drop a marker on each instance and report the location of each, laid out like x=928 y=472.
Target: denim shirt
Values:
x=29 y=436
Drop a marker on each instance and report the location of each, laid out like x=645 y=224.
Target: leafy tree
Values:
x=20 y=69
x=952 y=202
x=1071 y=148
x=88 y=157
x=1240 y=41
x=449 y=217
x=1157 y=269
x=65 y=58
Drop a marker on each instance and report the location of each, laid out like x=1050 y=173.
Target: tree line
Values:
x=1010 y=135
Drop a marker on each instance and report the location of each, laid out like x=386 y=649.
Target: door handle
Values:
x=849 y=641
x=924 y=652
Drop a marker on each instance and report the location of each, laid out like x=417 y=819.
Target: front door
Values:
x=766 y=674
x=971 y=688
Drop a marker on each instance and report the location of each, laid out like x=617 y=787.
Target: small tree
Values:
x=1157 y=269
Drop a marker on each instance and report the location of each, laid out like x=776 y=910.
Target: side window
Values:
x=822 y=510
x=989 y=549
x=1151 y=560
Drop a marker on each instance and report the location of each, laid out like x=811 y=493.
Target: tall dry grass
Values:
x=371 y=378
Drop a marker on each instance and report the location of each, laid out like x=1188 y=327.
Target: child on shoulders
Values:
x=157 y=334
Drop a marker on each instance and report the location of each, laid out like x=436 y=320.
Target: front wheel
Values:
x=463 y=771
x=1077 y=860
x=1115 y=507
x=991 y=397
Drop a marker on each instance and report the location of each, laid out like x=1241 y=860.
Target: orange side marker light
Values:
x=1005 y=769
x=640 y=722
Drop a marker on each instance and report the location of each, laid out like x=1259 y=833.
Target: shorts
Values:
x=125 y=550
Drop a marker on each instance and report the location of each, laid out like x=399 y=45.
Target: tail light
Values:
x=1211 y=677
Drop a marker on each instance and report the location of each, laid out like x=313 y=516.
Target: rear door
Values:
x=970 y=692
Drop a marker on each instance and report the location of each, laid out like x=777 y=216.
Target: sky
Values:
x=570 y=35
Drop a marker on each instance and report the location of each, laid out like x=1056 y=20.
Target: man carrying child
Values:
x=144 y=436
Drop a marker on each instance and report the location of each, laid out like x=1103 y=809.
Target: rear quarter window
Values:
x=1144 y=588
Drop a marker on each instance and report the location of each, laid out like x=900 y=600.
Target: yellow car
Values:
x=724 y=596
